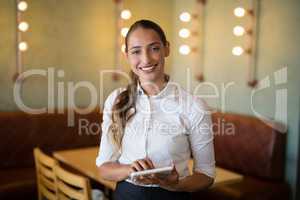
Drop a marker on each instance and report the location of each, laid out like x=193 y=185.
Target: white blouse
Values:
x=169 y=128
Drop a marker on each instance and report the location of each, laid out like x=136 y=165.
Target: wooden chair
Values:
x=71 y=186
x=45 y=175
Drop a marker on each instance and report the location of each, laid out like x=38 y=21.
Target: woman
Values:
x=154 y=123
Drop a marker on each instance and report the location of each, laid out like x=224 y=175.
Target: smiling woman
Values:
x=154 y=123
x=146 y=50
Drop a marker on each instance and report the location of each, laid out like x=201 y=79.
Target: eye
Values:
x=135 y=52
x=155 y=48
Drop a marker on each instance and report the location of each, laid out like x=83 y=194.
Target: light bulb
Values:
x=22 y=6
x=237 y=51
x=184 y=49
x=23 y=46
x=238 y=31
x=185 y=17
x=23 y=26
x=239 y=12
x=184 y=33
x=125 y=14
x=123 y=47
x=124 y=31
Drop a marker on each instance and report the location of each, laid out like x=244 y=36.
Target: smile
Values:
x=149 y=68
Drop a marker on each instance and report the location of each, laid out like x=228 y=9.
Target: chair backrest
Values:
x=71 y=186
x=45 y=175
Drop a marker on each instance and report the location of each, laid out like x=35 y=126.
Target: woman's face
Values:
x=146 y=54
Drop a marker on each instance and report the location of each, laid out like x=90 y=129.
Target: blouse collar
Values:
x=162 y=93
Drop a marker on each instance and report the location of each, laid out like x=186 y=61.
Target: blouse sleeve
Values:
x=107 y=152
x=201 y=141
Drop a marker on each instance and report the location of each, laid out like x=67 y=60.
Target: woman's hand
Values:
x=140 y=165
x=169 y=182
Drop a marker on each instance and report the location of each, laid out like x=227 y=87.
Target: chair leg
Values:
x=40 y=196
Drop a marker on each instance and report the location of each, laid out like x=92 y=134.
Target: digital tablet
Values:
x=164 y=171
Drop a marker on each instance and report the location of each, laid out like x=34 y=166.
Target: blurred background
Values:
x=78 y=37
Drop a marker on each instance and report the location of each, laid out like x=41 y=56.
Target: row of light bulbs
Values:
x=23 y=26
x=125 y=15
x=184 y=17
x=239 y=31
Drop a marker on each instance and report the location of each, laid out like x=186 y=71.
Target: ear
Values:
x=167 y=49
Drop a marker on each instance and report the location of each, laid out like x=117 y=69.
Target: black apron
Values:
x=129 y=191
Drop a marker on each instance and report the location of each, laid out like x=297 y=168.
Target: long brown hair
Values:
x=124 y=106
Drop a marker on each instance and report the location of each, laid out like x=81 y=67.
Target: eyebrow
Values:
x=151 y=44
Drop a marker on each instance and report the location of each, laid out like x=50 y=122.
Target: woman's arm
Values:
x=201 y=143
x=193 y=183
x=114 y=171
x=196 y=181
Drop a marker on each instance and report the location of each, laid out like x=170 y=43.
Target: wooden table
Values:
x=83 y=160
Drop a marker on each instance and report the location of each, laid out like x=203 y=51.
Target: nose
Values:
x=146 y=58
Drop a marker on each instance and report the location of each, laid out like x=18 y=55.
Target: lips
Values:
x=148 y=68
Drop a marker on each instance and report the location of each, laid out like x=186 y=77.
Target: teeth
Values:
x=147 y=69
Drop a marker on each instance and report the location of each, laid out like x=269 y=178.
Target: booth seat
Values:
x=248 y=146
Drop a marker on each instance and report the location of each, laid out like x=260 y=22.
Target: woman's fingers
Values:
x=146 y=163
x=149 y=162
x=142 y=164
x=136 y=166
x=147 y=180
x=171 y=179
